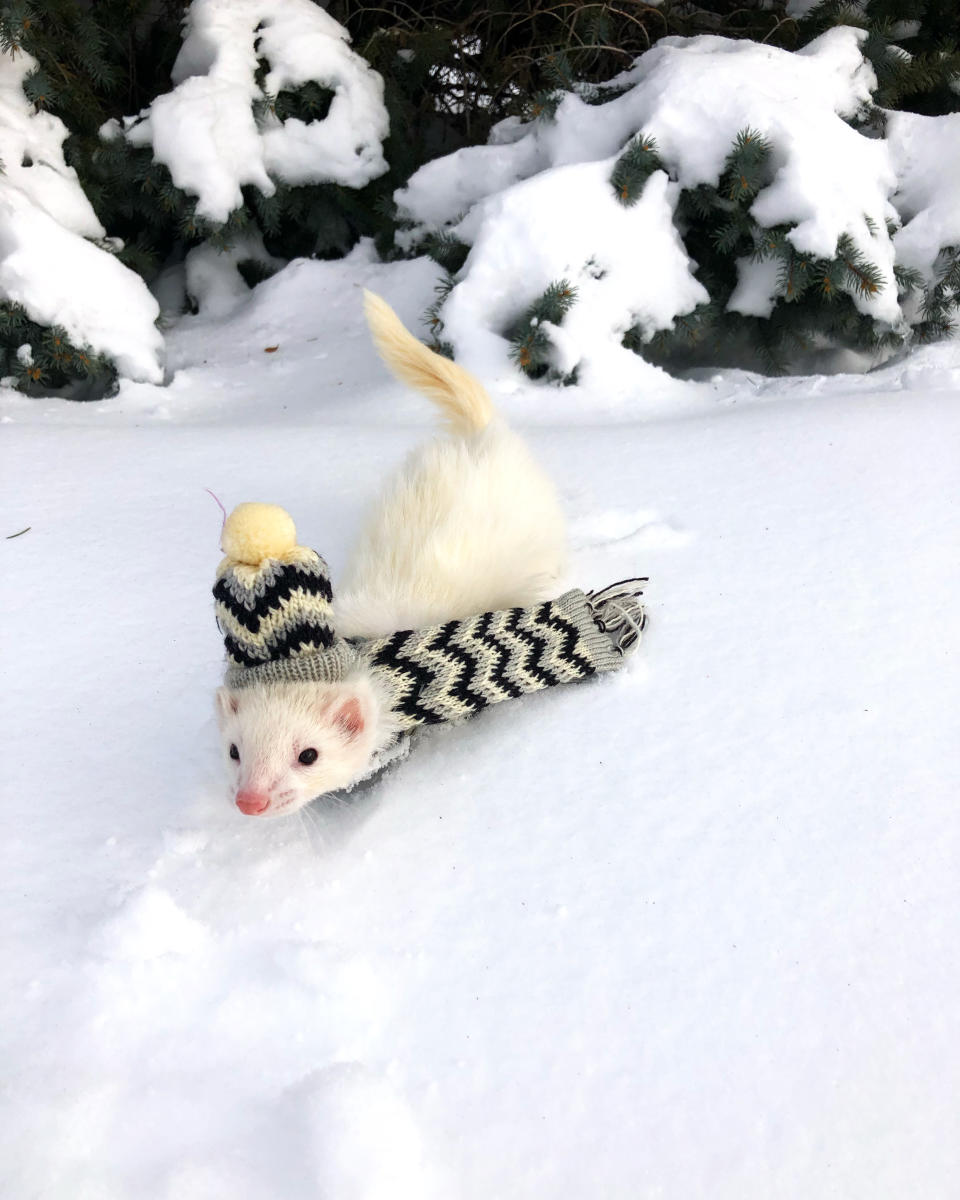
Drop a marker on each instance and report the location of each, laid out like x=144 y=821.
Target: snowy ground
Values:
x=688 y=932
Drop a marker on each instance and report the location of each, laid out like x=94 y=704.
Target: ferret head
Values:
x=286 y=743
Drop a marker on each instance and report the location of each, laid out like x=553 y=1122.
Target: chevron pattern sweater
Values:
x=449 y=672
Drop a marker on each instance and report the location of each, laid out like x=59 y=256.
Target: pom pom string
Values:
x=220 y=506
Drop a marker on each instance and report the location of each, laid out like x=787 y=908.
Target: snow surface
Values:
x=536 y=204
x=46 y=262
x=684 y=933
x=205 y=130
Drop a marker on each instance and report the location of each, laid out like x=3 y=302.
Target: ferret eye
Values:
x=234 y=752
x=308 y=756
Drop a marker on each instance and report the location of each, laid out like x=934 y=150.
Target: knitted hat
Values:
x=274 y=603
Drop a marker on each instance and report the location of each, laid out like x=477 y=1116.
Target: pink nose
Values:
x=252 y=803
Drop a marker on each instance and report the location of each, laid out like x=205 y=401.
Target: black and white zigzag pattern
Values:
x=448 y=672
x=282 y=610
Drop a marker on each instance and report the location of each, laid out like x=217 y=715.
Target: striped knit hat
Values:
x=274 y=603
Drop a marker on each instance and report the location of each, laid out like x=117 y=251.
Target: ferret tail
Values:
x=463 y=400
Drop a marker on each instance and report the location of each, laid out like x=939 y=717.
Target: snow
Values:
x=535 y=205
x=756 y=289
x=62 y=279
x=31 y=150
x=693 y=95
x=572 y=227
x=683 y=932
x=46 y=263
x=928 y=191
x=205 y=130
x=211 y=278
x=345 y=147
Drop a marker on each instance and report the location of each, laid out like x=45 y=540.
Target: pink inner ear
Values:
x=350 y=718
x=228 y=702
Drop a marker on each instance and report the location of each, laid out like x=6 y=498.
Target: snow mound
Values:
x=149 y=925
x=47 y=265
x=207 y=133
x=566 y=223
x=536 y=203
x=212 y=280
x=924 y=150
x=31 y=150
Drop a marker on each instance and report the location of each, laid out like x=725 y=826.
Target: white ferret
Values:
x=469 y=524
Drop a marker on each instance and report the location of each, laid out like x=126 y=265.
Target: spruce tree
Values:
x=814 y=302
x=451 y=70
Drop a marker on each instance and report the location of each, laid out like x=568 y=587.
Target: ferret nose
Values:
x=252 y=803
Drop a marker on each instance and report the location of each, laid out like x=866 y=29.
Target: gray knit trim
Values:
x=326 y=666
x=575 y=606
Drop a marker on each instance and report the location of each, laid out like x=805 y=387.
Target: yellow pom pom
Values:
x=254 y=532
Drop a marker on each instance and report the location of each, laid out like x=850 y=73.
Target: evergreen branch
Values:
x=442 y=290
x=634 y=167
x=530 y=343
x=794 y=275
x=771 y=242
x=543 y=104
x=864 y=276
x=745 y=167
x=727 y=237
x=446 y=250
x=698 y=203
x=907 y=280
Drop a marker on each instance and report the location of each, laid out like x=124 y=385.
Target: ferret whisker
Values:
x=303 y=828
x=315 y=825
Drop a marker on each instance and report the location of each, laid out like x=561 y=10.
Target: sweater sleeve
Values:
x=448 y=672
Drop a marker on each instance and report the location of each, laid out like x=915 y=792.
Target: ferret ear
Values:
x=227 y=703
x=349 y=718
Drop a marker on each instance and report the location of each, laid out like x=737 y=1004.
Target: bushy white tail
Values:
x=469 y=524
x=463 y=400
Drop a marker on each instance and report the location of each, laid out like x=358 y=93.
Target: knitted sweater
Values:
x=448 y=672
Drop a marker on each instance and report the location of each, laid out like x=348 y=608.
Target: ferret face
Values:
x=285 y=744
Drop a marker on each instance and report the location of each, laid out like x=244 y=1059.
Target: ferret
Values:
x=469 y=524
